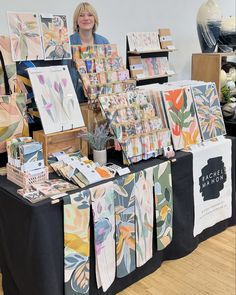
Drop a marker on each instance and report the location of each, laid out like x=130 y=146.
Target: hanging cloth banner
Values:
x=163 y=204
x=124 y=188
x=76 y=243
x=144 y=215
x=212 y=178
x=102 y=197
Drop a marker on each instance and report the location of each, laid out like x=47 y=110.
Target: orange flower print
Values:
x=176 y=130
x=176 y=97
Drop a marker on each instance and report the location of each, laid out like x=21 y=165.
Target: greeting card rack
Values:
x=149 y=54
x=68 y=141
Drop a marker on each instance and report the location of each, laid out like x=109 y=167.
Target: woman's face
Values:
x=86 y=21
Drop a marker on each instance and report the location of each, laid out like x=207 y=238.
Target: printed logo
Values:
x=213 y=178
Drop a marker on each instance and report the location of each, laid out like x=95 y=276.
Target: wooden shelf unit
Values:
x=145 y=54
x=207 y=66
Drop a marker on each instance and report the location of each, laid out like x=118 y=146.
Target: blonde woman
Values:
x=85 y=23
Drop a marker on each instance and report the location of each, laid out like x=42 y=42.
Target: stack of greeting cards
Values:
x=52 y=188
x=138 y=122
x=149 y=67
x=143 y=41
x=101 y=70
x=80 y=170
x=25 y=154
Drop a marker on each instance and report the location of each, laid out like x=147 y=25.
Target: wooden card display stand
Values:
x=91 y=117
x=67 y=141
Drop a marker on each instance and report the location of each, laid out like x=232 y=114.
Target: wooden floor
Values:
x=209 y=270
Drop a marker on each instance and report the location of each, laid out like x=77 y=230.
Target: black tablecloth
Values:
x=31 y=235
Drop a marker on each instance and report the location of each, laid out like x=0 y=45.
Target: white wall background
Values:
x=119 y=17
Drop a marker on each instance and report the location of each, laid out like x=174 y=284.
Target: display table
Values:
x=31 y=235
x=230 y=127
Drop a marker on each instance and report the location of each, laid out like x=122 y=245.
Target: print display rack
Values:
x=139 y=55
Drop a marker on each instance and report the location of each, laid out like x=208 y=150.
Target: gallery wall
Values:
x=119 y=17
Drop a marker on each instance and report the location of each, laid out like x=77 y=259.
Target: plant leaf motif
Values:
x=21 y=103
x=23 y=47
x=80 y=278
x=7 y=132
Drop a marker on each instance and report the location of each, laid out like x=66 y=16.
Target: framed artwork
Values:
x=55 y=98
x=208 y=109
x=56 y=41
x=181 y=117
x=25 y=36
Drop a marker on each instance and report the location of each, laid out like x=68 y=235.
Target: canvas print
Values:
x=55 y=98
x=208 y=110
x=25 y=36
x=5 y=48
x=56 y=41
x=181 y=117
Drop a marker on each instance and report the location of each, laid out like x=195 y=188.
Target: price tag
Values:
x=123 y=171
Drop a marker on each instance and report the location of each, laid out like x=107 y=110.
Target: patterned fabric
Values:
x=5 y=48
x=13 y=121
x=144 y=215
x=125 y=228
x=77 y=242
x=104 y=233
x=163 y=204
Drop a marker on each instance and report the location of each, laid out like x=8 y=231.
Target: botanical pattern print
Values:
x=124 y=188
x=104 y=233
x=5 y=48
x=144 y=215
x=56 y=42
x=12 y=118
x=56 y=98
x=163 y=204
x=208 y=110
x=76 y=242
x=182 y=117
x=25 y=37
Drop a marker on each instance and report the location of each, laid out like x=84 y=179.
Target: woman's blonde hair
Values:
x=84 y=7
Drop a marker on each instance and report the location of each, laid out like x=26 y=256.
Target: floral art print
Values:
x=25 y=36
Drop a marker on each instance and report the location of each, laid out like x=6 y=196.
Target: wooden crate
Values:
x=67 y=141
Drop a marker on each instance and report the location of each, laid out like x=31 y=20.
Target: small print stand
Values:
x=68 y=141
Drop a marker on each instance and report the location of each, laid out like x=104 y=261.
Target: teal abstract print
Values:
x=76 y=243
x=144 y=215
x=104 y=233
x=208 y=110
x=125 y=227
x=163 y=204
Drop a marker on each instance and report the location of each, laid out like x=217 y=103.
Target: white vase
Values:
x=208 y=25
x=100 y=156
